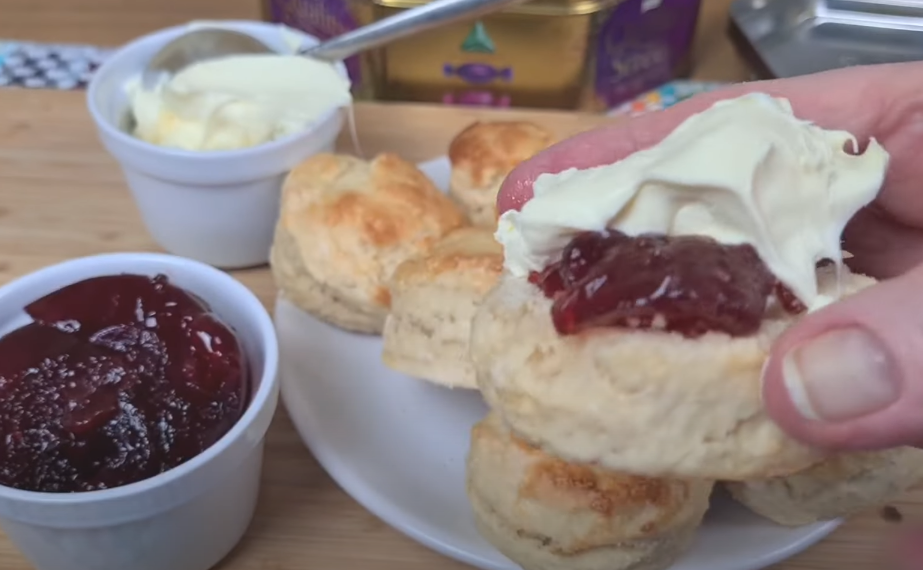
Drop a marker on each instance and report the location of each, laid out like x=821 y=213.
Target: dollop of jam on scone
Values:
x=686 y=284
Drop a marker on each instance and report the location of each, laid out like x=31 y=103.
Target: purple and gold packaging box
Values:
x=566 y=54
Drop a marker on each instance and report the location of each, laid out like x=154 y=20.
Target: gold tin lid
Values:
x=533 y=7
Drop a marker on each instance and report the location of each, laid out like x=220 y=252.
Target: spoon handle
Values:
x=425 y=17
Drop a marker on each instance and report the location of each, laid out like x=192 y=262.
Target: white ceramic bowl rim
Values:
x=160 y=38
x=267 y=375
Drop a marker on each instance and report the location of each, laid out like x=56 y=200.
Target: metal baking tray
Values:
x=785 y=38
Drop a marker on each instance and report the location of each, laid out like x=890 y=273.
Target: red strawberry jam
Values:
x=686 y=284
x=118 y=378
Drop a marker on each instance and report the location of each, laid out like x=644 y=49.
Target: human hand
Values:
x=849 y=376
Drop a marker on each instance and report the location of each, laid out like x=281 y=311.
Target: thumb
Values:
x=850 y=376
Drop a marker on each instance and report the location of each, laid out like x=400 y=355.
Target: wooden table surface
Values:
x=61 y=196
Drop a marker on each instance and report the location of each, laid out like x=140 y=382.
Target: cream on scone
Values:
x=546 y=514
x=640 y=299
x=345 y=225
x=840 y=486
x=433 y=300
x=482 y=155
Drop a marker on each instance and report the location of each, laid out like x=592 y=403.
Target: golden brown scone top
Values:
x=469 y=253
x=355 y=221
x=488 y=151
x=571 y=487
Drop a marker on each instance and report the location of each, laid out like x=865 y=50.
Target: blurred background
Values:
x=615 y=56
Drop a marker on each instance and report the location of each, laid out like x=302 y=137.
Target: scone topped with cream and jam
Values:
x=640 y=299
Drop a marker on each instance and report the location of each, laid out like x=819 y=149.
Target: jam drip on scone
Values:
x=685 y=284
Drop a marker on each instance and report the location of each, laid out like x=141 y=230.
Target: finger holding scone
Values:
x=641 y=401
x=640 y=299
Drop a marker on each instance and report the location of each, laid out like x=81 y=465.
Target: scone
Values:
x=482 y=155
x=546 y=514
x=840 y=486
x=433 y=299
x=344 y=227
x=591 y=398
x=640 y=298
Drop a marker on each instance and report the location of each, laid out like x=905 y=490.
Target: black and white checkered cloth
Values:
x=48 y=66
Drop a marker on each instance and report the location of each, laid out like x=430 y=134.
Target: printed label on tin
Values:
x=323 y=19
x=483 y=81
x=640 y=45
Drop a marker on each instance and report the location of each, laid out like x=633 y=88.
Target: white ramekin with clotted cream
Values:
x=205 y=152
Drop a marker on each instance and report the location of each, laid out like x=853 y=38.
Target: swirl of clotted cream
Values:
x=746 y=170
x=237 y=101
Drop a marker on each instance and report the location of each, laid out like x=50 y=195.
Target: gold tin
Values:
x=566 y=54
x=533 y=55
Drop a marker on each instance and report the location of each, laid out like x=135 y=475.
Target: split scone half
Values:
x=546 y=514
x=433 y=300
x=637 y=401
x=840 y=486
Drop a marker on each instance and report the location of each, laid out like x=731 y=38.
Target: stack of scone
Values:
x=601 y=449
x=347 y=224
x=578 y=357
x=576 y=410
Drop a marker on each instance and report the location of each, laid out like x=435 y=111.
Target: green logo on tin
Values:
x=477 y=40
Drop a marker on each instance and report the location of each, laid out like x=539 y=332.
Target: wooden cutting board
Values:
x=62 y=196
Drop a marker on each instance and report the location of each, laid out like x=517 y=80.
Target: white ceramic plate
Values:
x=398 y=446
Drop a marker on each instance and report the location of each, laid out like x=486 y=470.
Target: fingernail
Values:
x=840 y=375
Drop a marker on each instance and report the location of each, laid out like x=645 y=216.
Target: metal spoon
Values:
x=208 y=43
